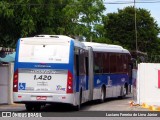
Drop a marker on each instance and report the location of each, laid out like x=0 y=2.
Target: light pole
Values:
x=135 y=21
x=135 y=16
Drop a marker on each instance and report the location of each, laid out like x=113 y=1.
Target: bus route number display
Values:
x=42 y=77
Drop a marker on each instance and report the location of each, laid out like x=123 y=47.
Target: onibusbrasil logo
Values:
x=21 y=114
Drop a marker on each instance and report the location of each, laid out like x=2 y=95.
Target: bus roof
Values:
x=58 y=39
x=62 y=37
x=101 y=47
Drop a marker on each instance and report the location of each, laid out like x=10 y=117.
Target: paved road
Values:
x=61 y=111
x=111 y=104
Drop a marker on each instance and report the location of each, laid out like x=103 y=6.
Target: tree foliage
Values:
x=120 y=28
x=22 y=18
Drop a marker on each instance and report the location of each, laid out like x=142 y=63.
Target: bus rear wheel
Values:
x=29 y=107
x=37 y=107
x=32 y=107
x=123 y=91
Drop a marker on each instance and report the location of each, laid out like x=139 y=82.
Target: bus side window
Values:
x=125 y=63
x=119 y=63
x=106 y=63
x=113 y=63
x=98 y=65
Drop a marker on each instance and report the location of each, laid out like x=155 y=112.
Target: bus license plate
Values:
x=41 y=97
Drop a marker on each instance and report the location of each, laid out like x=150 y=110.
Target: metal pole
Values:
x=135 y=16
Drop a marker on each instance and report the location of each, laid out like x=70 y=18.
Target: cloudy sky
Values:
x=151 y=5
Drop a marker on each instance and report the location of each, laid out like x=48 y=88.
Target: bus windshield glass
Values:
x=41 y=53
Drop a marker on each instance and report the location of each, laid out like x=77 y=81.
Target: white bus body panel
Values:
x=39 y=80
x=45 y=97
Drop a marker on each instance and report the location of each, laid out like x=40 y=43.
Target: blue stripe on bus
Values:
x=117 y=79
x=16 y=57
x=71 y=57
x=81 y=82
x=100 y=79
x=48 y=65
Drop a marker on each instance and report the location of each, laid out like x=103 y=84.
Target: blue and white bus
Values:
x=58 y=69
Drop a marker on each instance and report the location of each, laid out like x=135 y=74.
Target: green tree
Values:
x=99 y=34
x=23 y=18
x=120 y=28
x=84 y=14
x=6 y=26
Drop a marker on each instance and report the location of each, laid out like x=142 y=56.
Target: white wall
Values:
x=4 y=81
x=10 y=85
x=147 y=84
x=6 y=75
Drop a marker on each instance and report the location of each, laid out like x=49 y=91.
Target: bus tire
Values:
x=103 y=94
x=29 y=107
x=37 y=107
x=123 y=91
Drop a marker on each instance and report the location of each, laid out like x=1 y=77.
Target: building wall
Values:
x=4 y=82
x=6 y=78
x=148 y=90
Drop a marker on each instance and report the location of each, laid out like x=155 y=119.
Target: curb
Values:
x=145 y=105
x=151 y=107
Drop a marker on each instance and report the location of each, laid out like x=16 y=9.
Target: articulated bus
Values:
x=112 y=70
x=58 y=69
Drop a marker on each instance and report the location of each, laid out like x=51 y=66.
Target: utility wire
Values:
x=131 y=2
x=116 y=2
x=126 y=1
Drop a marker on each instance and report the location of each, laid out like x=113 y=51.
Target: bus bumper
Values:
x=44 y=98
